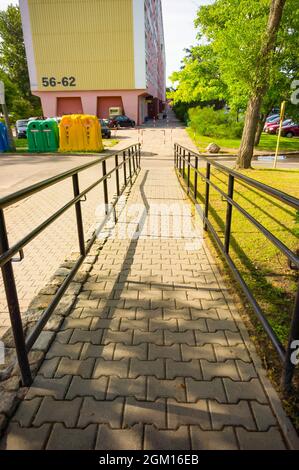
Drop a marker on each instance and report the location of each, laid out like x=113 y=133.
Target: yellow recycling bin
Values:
x=80 y=133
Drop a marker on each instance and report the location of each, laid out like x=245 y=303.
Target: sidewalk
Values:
x=154 y=354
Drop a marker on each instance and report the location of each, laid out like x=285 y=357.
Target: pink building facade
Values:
x=127 y=62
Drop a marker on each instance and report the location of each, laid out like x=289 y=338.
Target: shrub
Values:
x=210 y=123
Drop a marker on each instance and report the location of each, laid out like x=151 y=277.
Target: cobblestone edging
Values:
x=11 y=389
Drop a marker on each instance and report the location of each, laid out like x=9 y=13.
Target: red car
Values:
x=291 y=130
x=273 y=121
x=272 y=128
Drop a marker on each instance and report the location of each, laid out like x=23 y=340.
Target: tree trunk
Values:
x=259 y=129
x=247 y=142
x=261 y=84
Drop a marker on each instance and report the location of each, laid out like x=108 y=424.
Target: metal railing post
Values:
x=105 y=186
x=175 y=156
x=139 y=155
x=130 y=166
x=125 y=168
x=133 y=159
x=180 y=160
x=14 y=307
x=207 y=198
x=293 y=343
x=79 y=219
x=189 y=169
x=229 y=211
x=117 y=176
x=195 y=178
x=184 y=163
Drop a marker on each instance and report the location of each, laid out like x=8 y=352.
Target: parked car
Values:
x=106 y=132
x=272 y=128
x=291 y=130
x=21 y=128
x=272 y=117
x=121 y=121
x=275 y=120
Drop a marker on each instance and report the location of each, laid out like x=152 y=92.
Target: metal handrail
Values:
x=130 y=164
x=183 y=158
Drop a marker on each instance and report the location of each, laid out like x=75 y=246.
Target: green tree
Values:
x=13 y=63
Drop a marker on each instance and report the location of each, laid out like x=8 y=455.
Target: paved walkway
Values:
x=154 y=354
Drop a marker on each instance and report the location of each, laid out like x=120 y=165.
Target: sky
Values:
x=179 y=16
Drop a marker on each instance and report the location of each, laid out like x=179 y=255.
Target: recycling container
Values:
x=80 y=133
x=4 y=144
x=35 y=137
x=49 y=129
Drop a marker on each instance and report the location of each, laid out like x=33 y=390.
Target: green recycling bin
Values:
x=35 y=137
x=50 y=134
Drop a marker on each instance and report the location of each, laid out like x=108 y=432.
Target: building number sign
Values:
x=53 y=81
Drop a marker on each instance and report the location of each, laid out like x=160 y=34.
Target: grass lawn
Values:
x=22 y=146
x=267 y=143
x=263 y=267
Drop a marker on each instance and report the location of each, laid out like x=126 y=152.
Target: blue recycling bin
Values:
x=4 y=145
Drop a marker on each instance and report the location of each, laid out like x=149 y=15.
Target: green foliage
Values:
x=13 y=66
x=211 y=123
x=225 y=67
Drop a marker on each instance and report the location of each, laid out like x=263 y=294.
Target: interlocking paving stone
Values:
x=251 y=390
x=199 y=390
x=95 y=351
x=26 y=412
x=199 y=313
x=231 y=415
x=195 y=325
x=141 y=325
x=168 y=352
x=157 y=388
x=116 y=368
x=155 y=368
x=227 y=352
x=159 y=324
x=179 y=314
x=80 y=387
x=62 y=438
x=85 y=336
x=137 y=412
x=125 y=337
x=186 y=337
x=270 y=440
x=19 y=438
x=183 y=369
x=105 y=412
x=49 y=367
x=71 y=351
x=247 y=371
x=105 y=324
x=211 y=440
x=180 y=414
x=138 y=351
x=54 y=411
x=119 y=439
x=75 y=367
x=156 y=439
x=219 y=369
x=263 y=416
x=215 y=325
x=42 y=386
x=127 y=388
x=198 y=352
x=148 y=337
x=211 y=338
